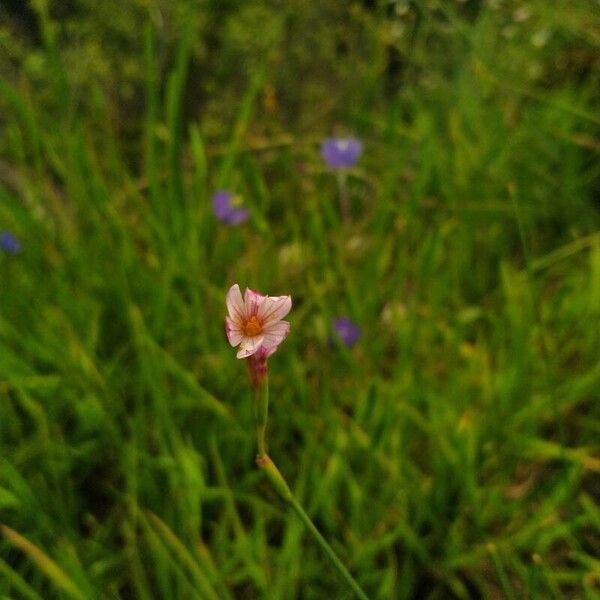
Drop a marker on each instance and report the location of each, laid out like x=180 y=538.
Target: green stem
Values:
x=280 y=484
x=328 y=549
x=264 y=462
x=261 y=407
x=342 y=179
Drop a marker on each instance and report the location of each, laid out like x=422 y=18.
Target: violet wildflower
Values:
x=9 y=243
x=227 y=209
x=341 y=153
x=348 y=332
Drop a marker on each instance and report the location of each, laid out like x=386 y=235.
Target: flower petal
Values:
x=250 y=345
x=252 y=301
x=235 y=304
x=221 y=204
x=273 y=309
x=9 y=243
x=341 y=153
x=237 y=216
x=274 y=335
x=233 y=331
x=348 y=332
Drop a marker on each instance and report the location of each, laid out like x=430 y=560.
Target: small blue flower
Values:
x=226 y=210
x=341 y=153
x=346 y=330
x=9 y=243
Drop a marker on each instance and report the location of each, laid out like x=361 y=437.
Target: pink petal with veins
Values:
x=252 y=301
x=250 y=345
x=273 y=309
x=235 y=304
x=275 y=334
x=233 y=331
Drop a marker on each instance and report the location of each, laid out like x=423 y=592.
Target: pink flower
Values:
x=255 y=322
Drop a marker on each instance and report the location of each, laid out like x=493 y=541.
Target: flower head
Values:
x=346 y=330
x=9 y=243
x=254 y=322
x=227 y=210
x=341 y=153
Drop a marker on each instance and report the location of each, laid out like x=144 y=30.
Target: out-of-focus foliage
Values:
x=452 y=451
x=318 y=66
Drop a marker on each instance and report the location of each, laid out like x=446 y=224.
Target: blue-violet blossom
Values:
x=341 y=153
x=226 y=209
x=347 y=331
x=9 y=243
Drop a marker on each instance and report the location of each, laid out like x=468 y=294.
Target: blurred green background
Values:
x=453 y=451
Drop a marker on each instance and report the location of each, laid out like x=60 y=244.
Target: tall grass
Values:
x=453 y=452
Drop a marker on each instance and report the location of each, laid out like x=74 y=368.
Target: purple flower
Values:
x=347 y=331
x=9 y=243
x=341 y=153
x=226 y=210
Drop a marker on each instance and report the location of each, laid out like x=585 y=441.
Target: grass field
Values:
x=453 y=451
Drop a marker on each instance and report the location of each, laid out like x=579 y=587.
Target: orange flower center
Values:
x=252 y=327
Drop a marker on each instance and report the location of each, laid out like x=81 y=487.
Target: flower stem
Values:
x=264 y=462
x=261 y=408
x=342 y=179
x=282 y=488
x=328 y=549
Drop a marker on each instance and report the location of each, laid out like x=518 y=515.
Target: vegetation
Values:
x=453 y=450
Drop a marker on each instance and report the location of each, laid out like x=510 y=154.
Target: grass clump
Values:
x=452 y=451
